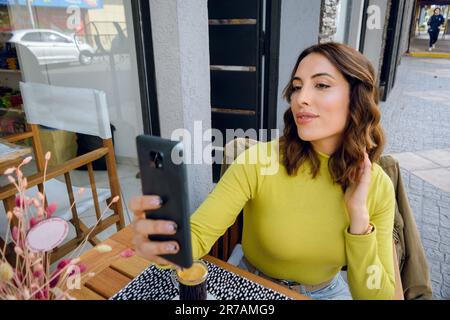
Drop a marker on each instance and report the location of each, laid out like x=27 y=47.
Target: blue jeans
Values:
x=337 y=290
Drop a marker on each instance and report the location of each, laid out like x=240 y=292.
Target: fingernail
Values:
x=172 y=247
x=154 y=201
x=171 y=227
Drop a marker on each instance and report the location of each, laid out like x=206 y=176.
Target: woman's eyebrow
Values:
x=315 y=76
x=321 y=75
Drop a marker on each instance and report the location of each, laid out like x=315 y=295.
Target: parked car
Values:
x=50 y=46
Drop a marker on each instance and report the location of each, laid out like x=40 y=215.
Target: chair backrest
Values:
x=223 y=247
x=71 y=109
x=77 y=110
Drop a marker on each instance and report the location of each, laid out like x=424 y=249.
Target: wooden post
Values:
x=114 y=181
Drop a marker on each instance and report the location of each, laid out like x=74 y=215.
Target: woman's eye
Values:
x=296 y=88
x=322 y=86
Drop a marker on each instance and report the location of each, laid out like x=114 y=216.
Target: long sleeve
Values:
x=222 y=206
x=370 y=257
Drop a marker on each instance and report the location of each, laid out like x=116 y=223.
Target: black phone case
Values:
x=161 y=176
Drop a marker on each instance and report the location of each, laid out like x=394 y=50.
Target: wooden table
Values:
x=113 y=272
x=14 y=158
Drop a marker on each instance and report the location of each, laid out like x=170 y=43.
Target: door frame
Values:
x=271 y=52
x=146 y=66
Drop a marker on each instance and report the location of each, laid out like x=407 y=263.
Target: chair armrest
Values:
x=72 y=164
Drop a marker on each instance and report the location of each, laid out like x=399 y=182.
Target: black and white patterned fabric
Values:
x=157 y=284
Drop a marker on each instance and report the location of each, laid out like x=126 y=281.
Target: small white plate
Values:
x=208 y=297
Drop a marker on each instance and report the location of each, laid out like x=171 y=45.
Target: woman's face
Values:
x=437 y=11
x=320 y=103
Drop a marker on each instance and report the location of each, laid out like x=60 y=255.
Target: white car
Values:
x=50 y=46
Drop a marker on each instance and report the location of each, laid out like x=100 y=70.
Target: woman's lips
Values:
x=306 y=118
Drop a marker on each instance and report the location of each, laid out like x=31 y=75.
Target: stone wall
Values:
x=328 y=20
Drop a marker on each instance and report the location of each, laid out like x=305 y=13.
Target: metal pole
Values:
x=30 y=13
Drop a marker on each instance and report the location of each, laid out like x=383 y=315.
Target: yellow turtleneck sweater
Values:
x=296 y=227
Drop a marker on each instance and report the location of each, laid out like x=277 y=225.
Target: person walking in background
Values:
x=435 y=23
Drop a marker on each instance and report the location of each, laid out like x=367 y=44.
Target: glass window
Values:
x=33 y=37
x=100 y=55
x=53 y=37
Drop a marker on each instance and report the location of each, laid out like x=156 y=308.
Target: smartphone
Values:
x=166 y=177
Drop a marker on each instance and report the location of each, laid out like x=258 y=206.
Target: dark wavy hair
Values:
x=363 y=131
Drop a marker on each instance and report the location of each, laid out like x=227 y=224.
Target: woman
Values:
x=326 y=207
x=435 y=23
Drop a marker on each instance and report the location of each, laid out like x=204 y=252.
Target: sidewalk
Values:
x=416 y=120
x=419 y=47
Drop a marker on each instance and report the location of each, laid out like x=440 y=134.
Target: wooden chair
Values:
x=224 y=246
x=53 y=107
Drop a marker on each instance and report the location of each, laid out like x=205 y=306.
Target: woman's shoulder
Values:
x=261 y=155
x=260 y=151
x=380 y=179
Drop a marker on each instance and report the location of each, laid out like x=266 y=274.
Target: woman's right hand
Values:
x=144 y=227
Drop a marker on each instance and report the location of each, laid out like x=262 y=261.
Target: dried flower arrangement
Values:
x=31 y=278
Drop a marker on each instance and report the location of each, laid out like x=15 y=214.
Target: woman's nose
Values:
x=304 y=96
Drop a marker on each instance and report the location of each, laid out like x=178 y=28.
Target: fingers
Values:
x=142 y=203
x=147 y=227
x=367 y=163
x=152 y=249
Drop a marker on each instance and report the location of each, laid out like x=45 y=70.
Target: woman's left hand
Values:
x=356 y=197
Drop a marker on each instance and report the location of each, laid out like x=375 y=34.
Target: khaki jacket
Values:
x=413 y=264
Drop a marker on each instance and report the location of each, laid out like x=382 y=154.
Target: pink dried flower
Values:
x=36 y=203
x=48 y=155
x=33 y=222
x=40 y=213
x=42 y=295
x=54 y=281
x=38 y=267
x=51 y=209
x=127 y=253
x=19 y=201
x=63 y=263
x=115 y=199
x=9 y=171
x=26 y=279
x=15 y=233
x=82 y=267
x=27 y=160
x=18 y=214
x=18 y=250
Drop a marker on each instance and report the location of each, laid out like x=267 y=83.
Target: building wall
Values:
x=181 y=49
x=300 y=23
x=374 y=40
x=406 y=29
